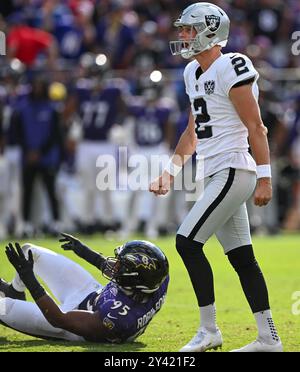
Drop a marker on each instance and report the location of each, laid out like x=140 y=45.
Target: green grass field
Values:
x=175 y=324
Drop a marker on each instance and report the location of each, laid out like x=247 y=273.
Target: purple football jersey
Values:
x=125 y=318
x=150 y=125
x=98 y=112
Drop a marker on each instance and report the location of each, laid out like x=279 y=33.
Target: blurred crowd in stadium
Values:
x=82 y=78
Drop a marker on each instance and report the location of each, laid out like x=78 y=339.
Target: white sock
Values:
x=17 y=284
x=266 y=328
x=208 y=317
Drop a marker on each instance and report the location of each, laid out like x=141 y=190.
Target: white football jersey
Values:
x=222 y=137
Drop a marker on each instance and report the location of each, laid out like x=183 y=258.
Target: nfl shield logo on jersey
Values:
x=209 y=86
x=212 y=22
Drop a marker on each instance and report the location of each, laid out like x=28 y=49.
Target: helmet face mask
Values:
x=110 y=268
x=209 y=27
x=138 y=266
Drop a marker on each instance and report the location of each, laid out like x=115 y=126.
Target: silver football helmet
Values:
x=212 y=28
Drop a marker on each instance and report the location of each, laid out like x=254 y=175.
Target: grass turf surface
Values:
x=176 y=323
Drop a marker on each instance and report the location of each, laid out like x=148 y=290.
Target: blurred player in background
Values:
x=13 y=92
x=101 y=106
x=151 y=123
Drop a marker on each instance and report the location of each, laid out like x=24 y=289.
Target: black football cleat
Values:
x=7 y=290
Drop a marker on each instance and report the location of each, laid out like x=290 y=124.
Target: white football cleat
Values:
x=259 y=346
x=204 y=340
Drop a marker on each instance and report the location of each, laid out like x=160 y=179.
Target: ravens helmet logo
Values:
x=142 y=260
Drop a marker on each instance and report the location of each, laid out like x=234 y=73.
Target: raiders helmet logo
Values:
x=212 y=22
x=209 y=87
x=142 y=260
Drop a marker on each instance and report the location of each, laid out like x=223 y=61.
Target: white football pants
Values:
x=68 y=282
x=222 y=210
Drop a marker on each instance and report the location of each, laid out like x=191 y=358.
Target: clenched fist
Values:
x=263 y=192
x=162 y=184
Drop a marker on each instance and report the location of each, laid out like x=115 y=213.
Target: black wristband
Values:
x=32 y=284
x=37 y=292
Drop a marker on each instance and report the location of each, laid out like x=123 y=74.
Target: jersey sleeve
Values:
x=186 y=81
x=236 y=68
x=186 y=73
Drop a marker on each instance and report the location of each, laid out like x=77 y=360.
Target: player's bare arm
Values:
x=248 y=110
x=184 y=150
x=187 y=143
x=83 y=323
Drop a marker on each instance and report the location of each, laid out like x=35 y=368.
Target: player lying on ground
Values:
x=88 y=311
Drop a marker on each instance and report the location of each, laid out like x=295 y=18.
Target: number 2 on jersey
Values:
x=239 y=65
x=202 y=131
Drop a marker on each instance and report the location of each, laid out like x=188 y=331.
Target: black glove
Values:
x=24 y=268
x=75 y=245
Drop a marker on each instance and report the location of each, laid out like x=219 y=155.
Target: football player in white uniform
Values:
x=224 y=114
